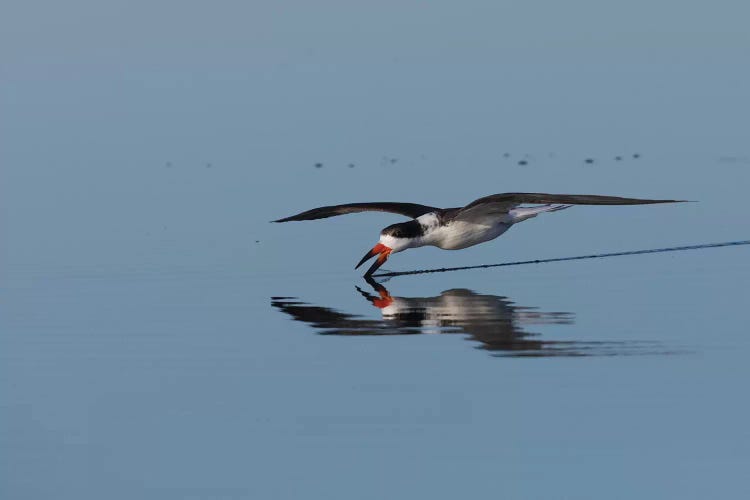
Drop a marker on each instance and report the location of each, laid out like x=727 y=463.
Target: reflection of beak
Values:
x=384 y=301
x=381 y=251
x=385 y=298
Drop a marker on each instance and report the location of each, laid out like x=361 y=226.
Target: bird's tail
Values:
x=521 y=214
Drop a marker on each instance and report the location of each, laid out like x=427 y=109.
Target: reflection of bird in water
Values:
x=494 y=321
x=455 y=228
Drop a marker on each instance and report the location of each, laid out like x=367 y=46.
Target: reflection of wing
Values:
x=494 y=321
x=498 y=204
x=332 y=322
x=412 y=210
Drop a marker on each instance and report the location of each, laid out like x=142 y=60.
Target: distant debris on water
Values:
x=318 y=165
x=351 y=165
x=168 y=164
x=527 y=158
x=209 y=165
x=734 y=159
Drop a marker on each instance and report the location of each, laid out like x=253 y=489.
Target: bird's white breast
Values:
x=462 y=234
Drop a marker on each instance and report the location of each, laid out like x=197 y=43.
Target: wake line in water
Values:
x=560 y=259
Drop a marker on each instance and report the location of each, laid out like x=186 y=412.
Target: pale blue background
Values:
x=145 y=146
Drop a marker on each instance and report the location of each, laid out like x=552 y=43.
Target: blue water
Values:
x=159 y=338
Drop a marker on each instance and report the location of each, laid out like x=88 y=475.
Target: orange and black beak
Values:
x=381 y=251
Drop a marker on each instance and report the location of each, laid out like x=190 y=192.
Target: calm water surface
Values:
x=160 y=339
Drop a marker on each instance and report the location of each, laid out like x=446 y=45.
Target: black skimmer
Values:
x=455 y=228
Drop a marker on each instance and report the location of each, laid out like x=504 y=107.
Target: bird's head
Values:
x=394 y=238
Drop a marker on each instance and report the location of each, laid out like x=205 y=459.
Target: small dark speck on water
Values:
x=208 y=165
x=618 y=158
x=257 y=241
x=523 y=162
x=636 y=155
x=318 y=165
x=168 y=164
x=589 y=160
x=394 y=160
x=351 y=165
x=506 y=155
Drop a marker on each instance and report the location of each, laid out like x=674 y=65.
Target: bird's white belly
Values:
x=461 y=234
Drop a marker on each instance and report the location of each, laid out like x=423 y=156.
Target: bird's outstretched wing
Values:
x=565 y=199
x=501 y=203
x=412 y=210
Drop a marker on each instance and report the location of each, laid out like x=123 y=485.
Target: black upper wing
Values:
x=412 y=210
x=566 y=199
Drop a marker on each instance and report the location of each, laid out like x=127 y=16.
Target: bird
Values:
x=482 y=220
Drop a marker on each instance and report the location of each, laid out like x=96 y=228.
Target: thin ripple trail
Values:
x=561 y=259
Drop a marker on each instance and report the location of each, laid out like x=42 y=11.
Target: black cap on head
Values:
x=411 y=229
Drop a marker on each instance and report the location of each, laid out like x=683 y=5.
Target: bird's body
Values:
x=455 y=228
x=453 y=234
